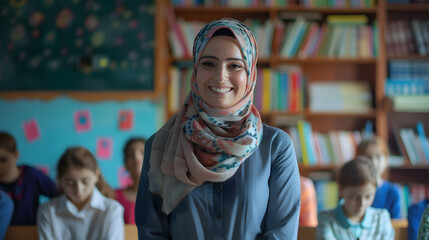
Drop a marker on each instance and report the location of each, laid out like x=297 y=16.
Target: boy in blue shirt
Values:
x=24 y=184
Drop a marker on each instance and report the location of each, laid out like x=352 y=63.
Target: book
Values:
x=423 y=140
x=347 y=19
x=340 y=96
x=408 y=143
x=417 y=103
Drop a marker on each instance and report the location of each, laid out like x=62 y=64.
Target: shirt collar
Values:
x=96 y=202
x=346 y=223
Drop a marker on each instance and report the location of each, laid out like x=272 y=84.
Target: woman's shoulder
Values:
x=271 y=132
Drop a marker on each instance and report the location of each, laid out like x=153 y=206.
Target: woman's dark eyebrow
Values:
x=215 y=58
x=212 y=57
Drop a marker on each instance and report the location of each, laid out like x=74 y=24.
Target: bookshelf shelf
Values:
x=409 y=57
x=410 y=175
x=327 y=60
x=309 y=114
x=412 y=7
x=235 y=10
x=276 y=60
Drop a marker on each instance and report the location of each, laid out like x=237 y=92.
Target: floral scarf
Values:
x=186 y=151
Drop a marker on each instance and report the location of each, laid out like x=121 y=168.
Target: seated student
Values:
x=133 y=156
x=24 y=184
x=6 y=211
x=415 y=213
x=308 y=211
x=81 y=211
x=423 y=233
x=388 y=194
x=353 y=218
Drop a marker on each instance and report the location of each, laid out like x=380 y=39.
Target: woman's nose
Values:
x=222 y=74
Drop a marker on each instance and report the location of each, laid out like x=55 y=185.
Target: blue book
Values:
x=423 y=139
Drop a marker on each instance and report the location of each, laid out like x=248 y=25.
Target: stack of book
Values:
x=413 y=144
x=280 y=89
x=404 y=37
x=342 y=36
x=408 y=85
x=340 y=96
x=315 y=148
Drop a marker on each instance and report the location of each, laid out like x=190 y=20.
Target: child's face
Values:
x=7 y=163
x=378 y=159
x=357 y=200
x=78 y=184
x=134 y=158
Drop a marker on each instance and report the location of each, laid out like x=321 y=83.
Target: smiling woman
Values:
x=214 y=170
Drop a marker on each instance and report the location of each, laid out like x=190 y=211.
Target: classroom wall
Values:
x=44 y=129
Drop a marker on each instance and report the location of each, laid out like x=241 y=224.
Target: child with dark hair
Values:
x=24 y=184
x=387 y=194
x=354 y=218
x=133 y=160
x=84 y=210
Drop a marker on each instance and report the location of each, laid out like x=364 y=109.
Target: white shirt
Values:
x=100 y=218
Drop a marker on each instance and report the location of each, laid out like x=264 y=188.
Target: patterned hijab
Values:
x=202 y=143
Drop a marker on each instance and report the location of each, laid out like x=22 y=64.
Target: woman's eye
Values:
x=208 y=64
x=235 y=66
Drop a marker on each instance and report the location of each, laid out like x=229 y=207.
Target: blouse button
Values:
x=219 y=216
x=218 y=190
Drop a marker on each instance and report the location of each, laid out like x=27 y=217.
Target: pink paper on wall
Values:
x=43 y=168
x=104 y=147
x=124 y=178
x=82 y=120
x=31 y=130
x=126 y=119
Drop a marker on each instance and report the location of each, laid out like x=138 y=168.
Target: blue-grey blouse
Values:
x=261 y=200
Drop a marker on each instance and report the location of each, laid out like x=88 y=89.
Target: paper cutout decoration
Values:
x=82 y=120
x=124 y=178
x=31 y=130
x=104 y=147
x=126 y=120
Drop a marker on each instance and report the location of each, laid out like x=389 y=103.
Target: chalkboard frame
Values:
x=160 y=76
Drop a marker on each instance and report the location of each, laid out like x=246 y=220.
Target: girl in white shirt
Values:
x=82 y=211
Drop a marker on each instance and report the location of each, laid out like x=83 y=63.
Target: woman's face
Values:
x=78 y=185
x=221 y=74
x=134 y=158
x=357 y=200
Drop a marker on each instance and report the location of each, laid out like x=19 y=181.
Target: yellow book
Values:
x=347 y=19
x=304 y=151
x=331 y=194
x=266 y=94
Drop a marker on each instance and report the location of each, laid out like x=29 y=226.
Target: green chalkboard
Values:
x=76 y=45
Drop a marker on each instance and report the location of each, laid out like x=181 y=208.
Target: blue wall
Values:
x=57 y=129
